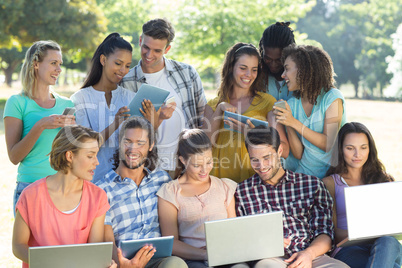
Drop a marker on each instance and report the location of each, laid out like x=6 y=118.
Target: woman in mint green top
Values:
x=315 y=114
x=34 y=117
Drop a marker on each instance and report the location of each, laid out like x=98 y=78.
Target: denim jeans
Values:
x=17 y=192
x=385 y=252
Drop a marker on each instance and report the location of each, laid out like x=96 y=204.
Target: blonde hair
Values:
x=70 y=138
x=36 y=53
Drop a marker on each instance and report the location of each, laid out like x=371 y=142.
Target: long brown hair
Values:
x=140 y=123
x=315 y=70
x=227 y=81
x=373 y=170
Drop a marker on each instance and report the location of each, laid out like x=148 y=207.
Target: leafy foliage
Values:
x=206 y=29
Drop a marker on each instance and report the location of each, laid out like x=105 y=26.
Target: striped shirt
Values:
x=185 y=81
x=304 y=200
x=133 y=212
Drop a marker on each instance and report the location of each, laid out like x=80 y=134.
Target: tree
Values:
x=206 y=29
x=325 y=24
x=356 y=35
x=75 y=24
x=381 y=20
x=9 y=60
x=126 y=17
x=395 y=65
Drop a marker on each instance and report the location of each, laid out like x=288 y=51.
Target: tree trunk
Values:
x=371 y=92
x=65 y=77
x=8 y=72
x=381 y=89
x=88 y=64
x=217 y=80
x=356 y=86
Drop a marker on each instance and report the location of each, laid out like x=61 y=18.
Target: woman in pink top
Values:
x=64 y=208
x=193 y=198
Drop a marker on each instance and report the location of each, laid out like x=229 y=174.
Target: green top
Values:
x=36 y=164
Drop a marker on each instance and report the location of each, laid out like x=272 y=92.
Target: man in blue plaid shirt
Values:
x=131 y=190
x=304 y=200
x=180 y=79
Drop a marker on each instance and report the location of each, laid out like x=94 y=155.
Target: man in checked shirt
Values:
x=304 y=200
x=131 y=191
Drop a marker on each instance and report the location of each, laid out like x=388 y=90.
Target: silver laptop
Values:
x=373 y=211
x=245 y=238
x=91 y=255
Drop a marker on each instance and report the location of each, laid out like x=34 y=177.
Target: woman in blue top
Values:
x=315 y=114
x=102 y=104
x=32 y=118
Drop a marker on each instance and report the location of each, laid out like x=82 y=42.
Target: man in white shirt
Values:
x=180 y=79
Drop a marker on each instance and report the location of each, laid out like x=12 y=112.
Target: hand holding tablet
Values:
x=242 y=119
x=162 y=245
x=157 y=96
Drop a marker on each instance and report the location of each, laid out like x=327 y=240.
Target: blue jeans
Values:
x=17 y=192
x=385 y=252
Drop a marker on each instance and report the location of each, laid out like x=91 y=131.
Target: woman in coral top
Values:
x=64 y=208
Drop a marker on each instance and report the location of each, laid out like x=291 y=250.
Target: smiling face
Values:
x=272 y=58
x=84 y=161
x=356 y=150
x=48 y=70
x=116 y=65
x=265 y=161
x=134 y=148
x=290 y=74
x=198 y=166
x=245 y=71
x=152 y=51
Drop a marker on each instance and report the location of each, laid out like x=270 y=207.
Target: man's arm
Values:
x=320 y=245
x=199 y=96
x=321 y=224
x=239 y=204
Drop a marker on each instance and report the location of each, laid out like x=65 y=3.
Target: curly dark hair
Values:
x=277 y=35
x=315 y=71
x=232 y=56
x=141 y=123
x=373 y=170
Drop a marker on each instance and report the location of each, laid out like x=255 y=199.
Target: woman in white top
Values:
x=101 y=103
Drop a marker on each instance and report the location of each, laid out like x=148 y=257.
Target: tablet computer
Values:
x=147 y=92
x=243 y=119
x=163 y=246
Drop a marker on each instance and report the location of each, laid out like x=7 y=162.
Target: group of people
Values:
x=217 y=172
